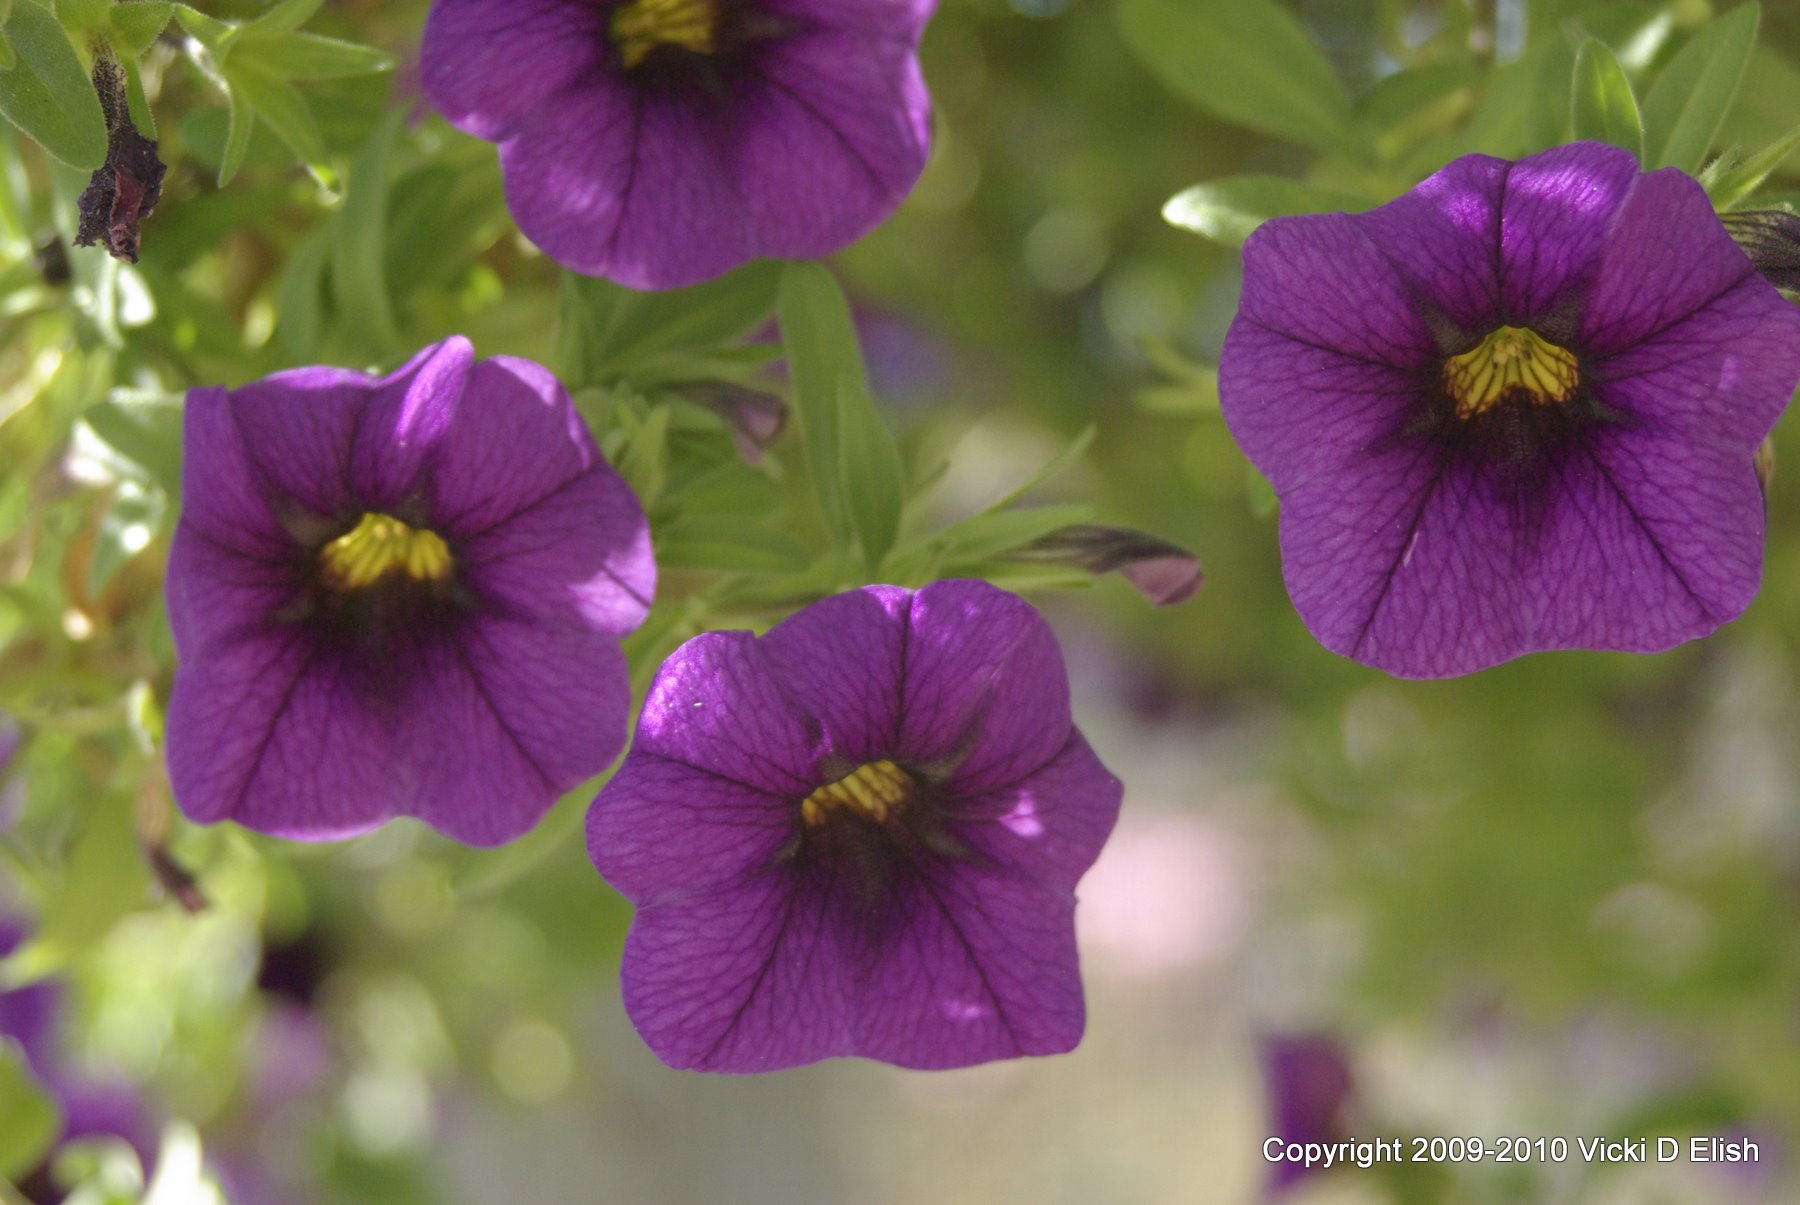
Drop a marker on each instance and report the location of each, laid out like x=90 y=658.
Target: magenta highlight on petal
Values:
x=858 y=834
x=1516 y=409
x=660 y=143
x=398 y=596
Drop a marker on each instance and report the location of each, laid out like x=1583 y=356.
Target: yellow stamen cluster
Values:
x=379 y=546
x=1512 y=360
x=641 y=26
x=874 y=791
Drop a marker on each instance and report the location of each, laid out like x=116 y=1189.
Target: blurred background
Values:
x=1557 y=898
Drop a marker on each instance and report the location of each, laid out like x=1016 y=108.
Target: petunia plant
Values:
x=534 y=540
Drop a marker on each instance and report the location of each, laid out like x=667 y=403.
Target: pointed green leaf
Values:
x=136 y=102
x=210 y=32
x=47 y=93
x=311 y=57
x=301 y=298
x=993 y=532
x=1248 y=61
x=1739 y=180
x=285 y=17
x=237 y=136
x=729 y=544
x=1601 y=105
x=137 y=23
x=1227 y=210
x=29 y=1118
x=277 y=102
x=619 y=329
x=869 y=469
x=359 y=240
x=822 y=353
x=80 y=16
x=1688 y=103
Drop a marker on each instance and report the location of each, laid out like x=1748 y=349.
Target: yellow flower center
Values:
x=874 y=791
x=381 y=545
x=1512 y=360
x=641 y=26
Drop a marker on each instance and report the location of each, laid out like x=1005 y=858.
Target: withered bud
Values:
x=755 y=419
x=1164 y=573
x=124 y=190
x=1771 y=238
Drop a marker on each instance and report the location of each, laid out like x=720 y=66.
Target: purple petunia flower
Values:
x=1515 y=409
x=663 y=142
x=857 y=835
x=398 y=596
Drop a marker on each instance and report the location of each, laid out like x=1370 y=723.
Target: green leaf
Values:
x=869 y=469
x=237 y=137
x=1227 y=210
x=301 y=298
x=1601 y=105
x=29 y=1118
x=285 y=17
x=137 y=23
x=210 y=32
x=822 y=354
x=144 y=429
x=996 y=531
x=1740 y=180
x=103 y=880
x=729 y=543
x=48 y=94
x=309 y=56
x=1247 y=61
x=7 y=58
x=1688 y=103
x=359 y=238
x=615 y=329
x=80 y=16
x=644 y=460
x=277 y=102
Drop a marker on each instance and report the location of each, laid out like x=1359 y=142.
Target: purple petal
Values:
x=844 y=657
x=633 y=185
x=985 y=968
x=830 y=140
x=407 y=414
x=1430 y=568
x=741 y=978
x=1321 y=280
x=1442 y=238
x=716 y=706
x=985 y=688
x=278 y=732
x=1299 y=411
x=1723 y=375
x=660 y=830
x=1555 y=213
x=1050 y=825
x=490 y=68
x=515 y=714
x=894 y=20
x=223 y=498
x=1667 y=257
x=540 y=523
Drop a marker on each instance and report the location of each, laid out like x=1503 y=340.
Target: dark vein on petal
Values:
x=1649 y=536
x=1393 y=569
x=482 y=690
x=287 y=698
